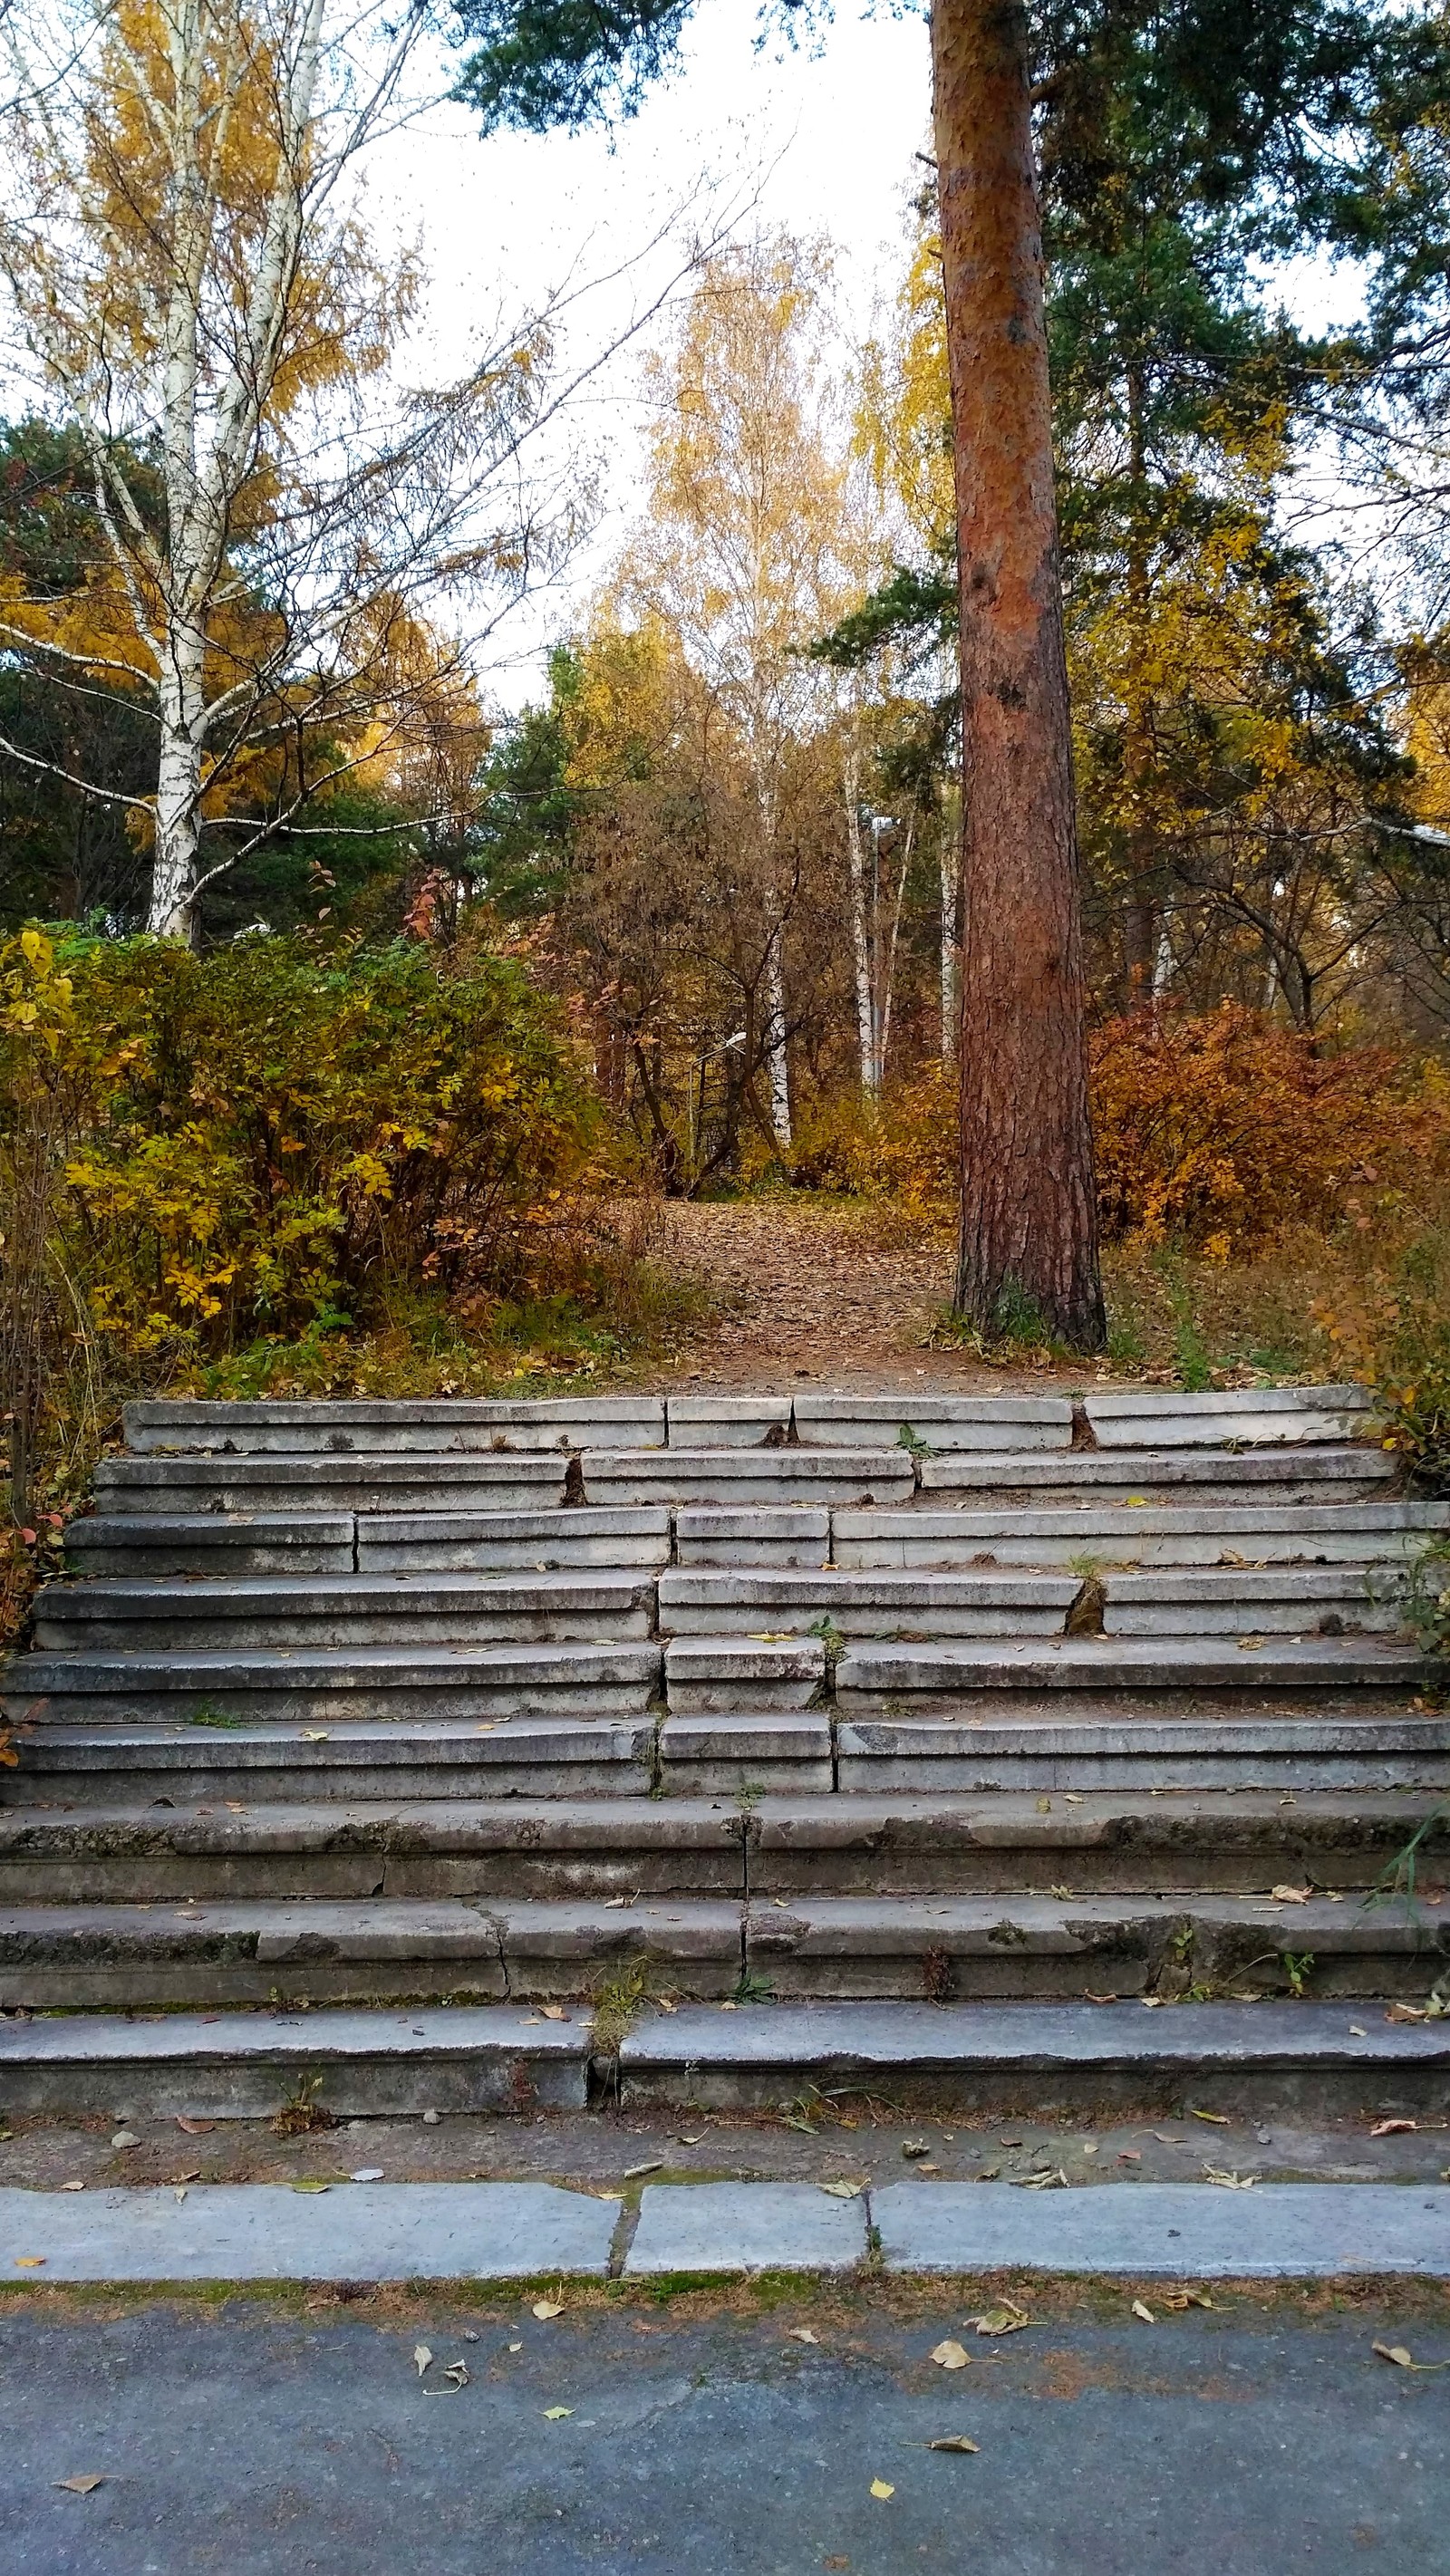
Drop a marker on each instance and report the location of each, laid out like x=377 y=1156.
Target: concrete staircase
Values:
x=900 y=1719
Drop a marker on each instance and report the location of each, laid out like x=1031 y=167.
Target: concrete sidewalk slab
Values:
x=1183 y=2231
x=491 y=2231
x=746 y=2227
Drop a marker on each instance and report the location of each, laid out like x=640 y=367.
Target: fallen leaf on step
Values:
x=1250 y=1645
x=1073 y=1797
x=308 y=2185
x=881 y=2490
x=1392 y=2128
x=72 y=2186
x=666 y=2004
x=1044 y=1806
x=178 y=2191
x=1130 y=2155
x=1165 y=2141
x=693 y=2140
x=613 y=1903
x=1005 y=2320
x=953 y=2442
x=545 y=2309
x=802 y=2334
x=79 y=2486
x=1220 y=2119
x=553 y=2012
x=31 y=2262
x=1053 y=2179
x=1098 y=1999
x=950 y=2355
x=1407 y=2012
x=1396 y=2353
x=1228 y=2181
x=367 y=2173
x=1291 y=1895
x=556 y=2414
x=655 y=2164
x=1146 y=2313
x=196 y=2128
x=235 y=1807
x=915 y=2147
x=421 y=2358
x=315 y=1735
x=843 y=2190
x=1178 y=2300
x=1356 y=2033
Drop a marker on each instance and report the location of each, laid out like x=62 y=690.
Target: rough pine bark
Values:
x=1029 y=1221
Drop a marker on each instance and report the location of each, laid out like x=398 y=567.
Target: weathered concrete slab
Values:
x=95 y=1956
x=725 y=1756
x=1161 y=1476
x=1105 y=1675
x=745 y=2227
x=795 y=1534
x=346 y=1760
x=314 y=1685
x=1358 y=1533
x=993 y=1422
x=565 y=1949
x=1155 y=1418
x=727 y=1421
x=477 y=1542
x=1180 y=2231
x=370 y=1425
x=739 y=1478
x=1238 y=1601
x=243 y=2066
x=211 y=1543
x=339 y=1611
x=402 y=1482
x=704 y=1675
x=414 y=2231
x=695 y=1601
x=1042 y=1749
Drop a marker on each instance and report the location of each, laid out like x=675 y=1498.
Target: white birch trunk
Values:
x=775 y=1048
x=947 y=862
x=860 y=938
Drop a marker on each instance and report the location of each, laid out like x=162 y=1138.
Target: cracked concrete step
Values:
x=245 y=2065
x=1158 y=1476
x=315 y=1684
x=1046 y=1747
x=498 y=1757
x=693 y=1602
x=1108 y=1676
x=480 y=1542
x=1356 y=1533
x=407 y=1481
x=471 y=1847
x=728 y=1421
x=743 y=1753
x=336 y=1611
x=993 y=1422
x=1163 y=1420
x=795 y=1534
x=1003 y=1946
x=707 y=1675
x=211 y=1543
x=740 y=1477
x=1245 y=1600
x=370 y=1426
x=118 y=1957
x=1258 y=2060
x=865 y=1843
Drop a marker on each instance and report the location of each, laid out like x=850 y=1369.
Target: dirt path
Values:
x=831 y=1294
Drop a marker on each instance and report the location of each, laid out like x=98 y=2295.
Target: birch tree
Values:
x=193 y=286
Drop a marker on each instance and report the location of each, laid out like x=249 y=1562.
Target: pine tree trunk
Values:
x=1029 y=1221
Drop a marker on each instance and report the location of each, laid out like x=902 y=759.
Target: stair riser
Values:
x=1252 y=2093
x=951 y=1480
x=1115 y=1553
x=1028 y=1706
x=340 y=1706
x=870 y=1619
x=1351 y=1617
x=361 y=2088
x=500 y=1556
x=622 y=1774
x=277 y=1877
x=403 y=1624
x=212 y=1557
x=879 y=1774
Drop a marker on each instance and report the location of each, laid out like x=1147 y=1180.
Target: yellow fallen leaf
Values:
x=1008 y=2319
x=951 y=2356
x=881 y=2490
x=556 y=2414
x=544 y=2309
x=1220 y=2119
x=1228 y=2181
x=312 y=2186
x=79 y=2486
x=1396 y=2353
x=421 y=2358
x=953 y=2442
x=843 y=2190
x=1291 y=1895
x=1177 y=2300
x=1140 y=2309
x=31 y=2262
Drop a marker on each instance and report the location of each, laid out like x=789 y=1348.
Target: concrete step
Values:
x=796 y=1534
x=1134 y=1841
x=933 y=1421
x=743 y=1831
x=1259 y=2060
x=1111 y=1676
x=314 y=1685
x=219 y=1757
x=1157 y=1476
x=407 y=1481
x=738 y=1478
x=246 y=2065
x=375 y=1846
x=371 y=1426
x=707 y=1675
x=150 y=1543
x=336 y=1611
x=1047 y=1746
x=121 y=1957
x=1159 y=1419
x=481 y=1542
x=694 y=1602
x=1238 y=1601
x=936 y=1948
x=1357 y=1533
x=728 y=1421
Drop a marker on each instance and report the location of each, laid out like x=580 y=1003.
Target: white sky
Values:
x=822 y=143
